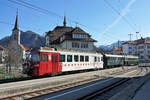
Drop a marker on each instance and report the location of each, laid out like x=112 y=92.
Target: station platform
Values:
x=144 y=92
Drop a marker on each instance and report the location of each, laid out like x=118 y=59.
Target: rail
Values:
x=37 y=93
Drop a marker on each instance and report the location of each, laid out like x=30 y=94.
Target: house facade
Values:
x=117 y=50
x=140 y=47
x=69 y=37
x=130 y=48
x=2 y=54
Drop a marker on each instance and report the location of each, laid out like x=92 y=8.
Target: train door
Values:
x=43 y=64
x=55 y=62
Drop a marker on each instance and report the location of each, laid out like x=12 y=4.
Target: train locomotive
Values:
x=53 y=61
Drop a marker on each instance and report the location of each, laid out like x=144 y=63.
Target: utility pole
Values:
x=76 y=24
x=118 y=43
x=130 y=36
x=137 y=35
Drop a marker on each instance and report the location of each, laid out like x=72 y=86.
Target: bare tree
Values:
x=14 y=57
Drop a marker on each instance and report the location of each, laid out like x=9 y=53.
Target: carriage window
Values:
x=44 y=58
x=69 y=58
x=62 y=58
x=76 y=58
x=98 y=59
x=86 y=58
x=101 y=58
x=81 y=58
x=95 y=59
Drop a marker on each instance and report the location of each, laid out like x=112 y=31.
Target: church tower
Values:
x=64 y=21
x=16 y=31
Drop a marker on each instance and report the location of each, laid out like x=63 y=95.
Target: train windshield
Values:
x=35 y=57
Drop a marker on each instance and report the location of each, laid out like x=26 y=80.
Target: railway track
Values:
x=107 y=92
x=37 y=93
x=104 y=90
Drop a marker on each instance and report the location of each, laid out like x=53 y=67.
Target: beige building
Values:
x=140 y=47
x=69 y=37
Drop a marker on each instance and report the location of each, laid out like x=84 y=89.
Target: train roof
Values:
x=47 y=49
x=128 y=56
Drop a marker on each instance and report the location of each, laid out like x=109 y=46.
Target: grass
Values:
x=2 y=69
x=11 y=77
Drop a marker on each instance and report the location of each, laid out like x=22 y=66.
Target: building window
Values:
x=84 y=45
x=130 y=52
x=140 y=47
x=148 y=47
x=47 y=40
x=130 y=47
x=80 y=36
x=75 y=45
x=141 y=57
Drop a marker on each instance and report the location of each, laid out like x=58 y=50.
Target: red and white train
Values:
x=50 y=61
x=45 y=61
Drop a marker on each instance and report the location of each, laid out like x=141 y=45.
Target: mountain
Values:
x=110 y=47
x=148 y=38
x=28 y=39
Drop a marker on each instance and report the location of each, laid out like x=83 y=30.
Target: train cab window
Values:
x=69 y=58
x=35 y=58
x=95 y=59
x=81 y=58
x=62 y=58
x=44 y=57
x=76 y=58
x=86 y=58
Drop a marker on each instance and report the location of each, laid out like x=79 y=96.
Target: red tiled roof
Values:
x=139 y=41
x=116 y=48
x=24 y=48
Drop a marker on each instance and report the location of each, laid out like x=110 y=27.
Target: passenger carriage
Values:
x=113 y=60
x=131 y=60
x=119 y=60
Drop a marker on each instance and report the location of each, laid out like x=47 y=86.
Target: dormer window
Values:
x=79 y=36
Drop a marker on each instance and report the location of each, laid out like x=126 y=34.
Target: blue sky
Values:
x=96 y=15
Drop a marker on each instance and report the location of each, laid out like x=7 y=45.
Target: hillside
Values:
x=28 y=39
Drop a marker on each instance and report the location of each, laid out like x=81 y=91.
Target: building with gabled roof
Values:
x=69 y=37
x=140 y=47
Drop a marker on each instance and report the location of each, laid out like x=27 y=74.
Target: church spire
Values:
x=16 y=27
x=64 y=21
